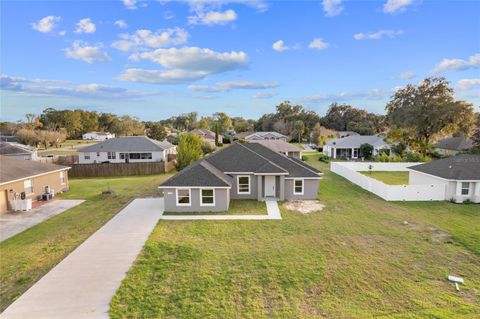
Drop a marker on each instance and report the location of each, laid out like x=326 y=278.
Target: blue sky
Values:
x=155 y=59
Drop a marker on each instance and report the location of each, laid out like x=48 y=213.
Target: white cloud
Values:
x=393 y=6
x=377 y=35
x=46 y=25
x=85 y=26
x=121 y=24
x=457 y=64
x=466 y=84
x=263 y=95
x=407 y=75
x=130 y=4
x=260 y=5
x=232 y=85
x=147 y=38
x=62 y=33
x=160 y=76
x=86 y=53
x=332 y=7
x=213 y=17
x=318 y=44
x=279 y=46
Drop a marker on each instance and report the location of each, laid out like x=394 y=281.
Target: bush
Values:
x=416 y=157
x=207 y=147
x=324 y=158
x=219 y=144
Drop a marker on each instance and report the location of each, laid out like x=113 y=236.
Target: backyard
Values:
x=28 y=256
x=360 y=257
x=390 y=178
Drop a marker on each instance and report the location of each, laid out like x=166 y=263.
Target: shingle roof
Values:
x=242 y=135
x=14 y=169
x=199 y=174
x=8 y=148
x=204 y=133
x=128 y=144
x=263 y=134
x=460 y=167
x=454 y=143
x=278 y=145
x=355 y=141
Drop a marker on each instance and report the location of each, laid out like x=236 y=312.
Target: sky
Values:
x=156 y=59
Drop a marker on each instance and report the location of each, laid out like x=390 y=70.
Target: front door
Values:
x=269 y=186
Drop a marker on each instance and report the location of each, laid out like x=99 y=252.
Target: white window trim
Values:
x=249 y=185
x=462 y=188
x=63 y=181
x=189 y=197
x=31 y=186
x=201 y=197
x=303 y=186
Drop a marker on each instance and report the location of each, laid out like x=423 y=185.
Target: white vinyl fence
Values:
x=350 y=171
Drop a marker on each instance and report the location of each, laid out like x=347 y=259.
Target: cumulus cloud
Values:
x=407 y=75
x=213 y=17
x=332 y=7
x=467 y=84
x=46 y=24
x=121 y=24
x=160 y=76
x=263 y=95
x=233 y=85
x=394 y=6
x=318 y=44
x=84 y=52
x=457 y=64
x=145 y=38
x=130 y=4
x=85 y=26
x=377 y=35
x=279 y=46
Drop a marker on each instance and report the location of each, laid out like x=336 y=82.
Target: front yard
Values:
x=28 y=256
x=391 y=178
x=237 y=207
x=354 y=259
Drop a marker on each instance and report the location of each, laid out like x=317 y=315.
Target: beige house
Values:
x=207 y=135
x=31 y=178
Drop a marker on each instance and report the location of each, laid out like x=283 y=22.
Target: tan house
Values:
x=207 y=135
x=31 y=178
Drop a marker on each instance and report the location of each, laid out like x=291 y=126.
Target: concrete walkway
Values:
x=82 y=285
x=13 y=223
x=273 y=212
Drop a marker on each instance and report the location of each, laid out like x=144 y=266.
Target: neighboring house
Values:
x=98 y=136
x=251 y=136
x=126 y=149
x=18 y=151
x=342 y=134
x=282 y=147
x=29 y=177
x=460 y=174
x=453 y=145
x=207 y=135
x=241 y=171
x=348 y=147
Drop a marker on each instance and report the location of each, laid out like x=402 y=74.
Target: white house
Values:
x=460 y=174
x=349 y=146
x=126 y=149
x=18 y=151
x=253 y=136
x=98 y=136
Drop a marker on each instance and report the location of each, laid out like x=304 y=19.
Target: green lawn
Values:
x=28 y=256
x=354 y=259
x=237 y=207
x=391 y=178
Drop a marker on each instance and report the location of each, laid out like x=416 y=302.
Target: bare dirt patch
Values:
x=304 y=206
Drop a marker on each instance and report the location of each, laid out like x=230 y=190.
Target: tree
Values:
x=429 y=110
x=207 y=147
x=27 y=136
x=127 y=126
x=221 y=122
x=299 y=130
x=321 y=134
x=156 y=130
x=366 y=150
x=204 y=122
x=189 y=150
x=344 y=117
x=241 y=125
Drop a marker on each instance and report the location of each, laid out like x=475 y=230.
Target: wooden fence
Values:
x=119 y=169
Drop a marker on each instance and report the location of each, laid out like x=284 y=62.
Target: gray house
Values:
x=282 y=147
x=349 y=147
x=453 y=145
x=240 y=171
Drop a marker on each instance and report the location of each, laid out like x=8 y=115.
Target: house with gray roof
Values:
x=281 y=146
x=18 y=151
x=252 y=136
x=460 y=174
x=207 y=135
x=126 y=149
x=240 y=171
x=453 y=145
x=349 y=147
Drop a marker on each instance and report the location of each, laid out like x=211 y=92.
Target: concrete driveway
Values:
x=13 y=223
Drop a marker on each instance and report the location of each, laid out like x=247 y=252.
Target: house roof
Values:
x=342 y=134
x=9 y=148
x=14 y=169
x=242 y=135
x=203 y=133
x=356 y=140
x=200 y=174
x=128 y=144
x=265 y=134
x=460 y=167
x=278 y=145
x=455 y=143
x=99 y=133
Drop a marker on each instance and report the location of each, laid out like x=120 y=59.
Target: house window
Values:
x=111 y=155
x=122 y=155
x=208 y=197
x=140 y=155
x=28 y=186
x=86 y=156
x=465 y=188
x=355 y=152
x=298 y=186
x=62 y=178
x=243 y=183
x=183 y=197
x=98 y=154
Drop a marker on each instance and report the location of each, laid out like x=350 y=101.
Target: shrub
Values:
x=366 y=150
x=324 y=158
x=416 y=157
x=219 y=144
x=207 y=147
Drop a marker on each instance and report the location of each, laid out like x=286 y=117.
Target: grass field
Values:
x=391 y=178
x=354 y=259
x=237 y=207
x=28 y=256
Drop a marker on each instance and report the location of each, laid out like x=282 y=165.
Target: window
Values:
x=122 y=155
x=86 y=156
x=183 y=197
x=62 y=178
x=98 y=154
x=298 y=186
x=208 y=197
x=111 y=155
x=465 y=188
x=28 y=186
x=243 y=183
x=355 y=152
x=140 y=155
